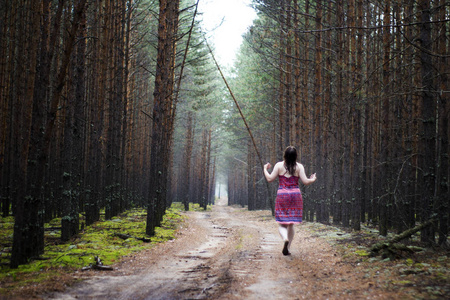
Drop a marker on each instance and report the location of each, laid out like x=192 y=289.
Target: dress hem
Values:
x=287 y=223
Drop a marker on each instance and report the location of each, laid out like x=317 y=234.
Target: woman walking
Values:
x=289 y=202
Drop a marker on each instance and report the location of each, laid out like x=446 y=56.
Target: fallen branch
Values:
x=52 y=228
x=127 y=236
x=390 y=246
x=271 y=200
x=97 y=266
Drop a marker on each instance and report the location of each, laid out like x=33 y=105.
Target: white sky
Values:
x=237 y=16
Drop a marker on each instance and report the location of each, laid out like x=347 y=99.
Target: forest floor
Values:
x=232 y=253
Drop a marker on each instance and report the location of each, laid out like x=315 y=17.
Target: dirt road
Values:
x=229 y=253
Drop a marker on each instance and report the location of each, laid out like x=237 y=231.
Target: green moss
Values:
x=98 y=239
x=402 y=282
x=7 y=226
x=5 y=220
x=362 y=252
x=196 y=207
x=177 y=206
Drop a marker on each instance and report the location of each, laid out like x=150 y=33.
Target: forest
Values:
x=114 y=104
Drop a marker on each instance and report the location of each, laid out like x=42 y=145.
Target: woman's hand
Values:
x=303 y=176
x=270 y=177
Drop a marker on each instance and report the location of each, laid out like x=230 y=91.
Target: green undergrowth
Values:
x=99 y=239
x=196 y=207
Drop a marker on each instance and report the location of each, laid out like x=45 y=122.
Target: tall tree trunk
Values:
x=250 y=176
x=208 y=166
x=162 y=109
x=97 y=95
x=297 y=79
x=443 y=206
x=186 y=166
x=317 y=107
x=337 y=155
x=282 y=75
x=28 y=238
x=126 y=135
x=328 y=108
x=305 y=128
x=73 y=144
x=6 y=106
x=345 y=132
x=385 y=137
x=289 y=125
x=428 y=151
x=212 y=183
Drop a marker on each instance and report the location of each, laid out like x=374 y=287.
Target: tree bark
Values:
x=385 y=200
x=428 y=135
x=162 y=108
x=443 y=206
x=28 y=239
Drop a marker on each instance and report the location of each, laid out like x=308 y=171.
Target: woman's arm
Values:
x=306 y=180
x=271 y=176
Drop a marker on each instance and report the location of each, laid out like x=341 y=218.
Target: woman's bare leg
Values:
x=283 y=230
x=290 y=234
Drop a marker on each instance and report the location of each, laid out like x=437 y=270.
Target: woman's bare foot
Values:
x=285 y=248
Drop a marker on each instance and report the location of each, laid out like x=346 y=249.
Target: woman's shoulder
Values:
x=279 y=165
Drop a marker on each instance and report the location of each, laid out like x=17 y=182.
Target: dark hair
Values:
x=290 y=159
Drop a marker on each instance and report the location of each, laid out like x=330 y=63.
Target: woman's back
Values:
x=286 y=182
x=283 y=171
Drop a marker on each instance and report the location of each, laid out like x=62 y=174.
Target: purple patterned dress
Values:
x=289 y=202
